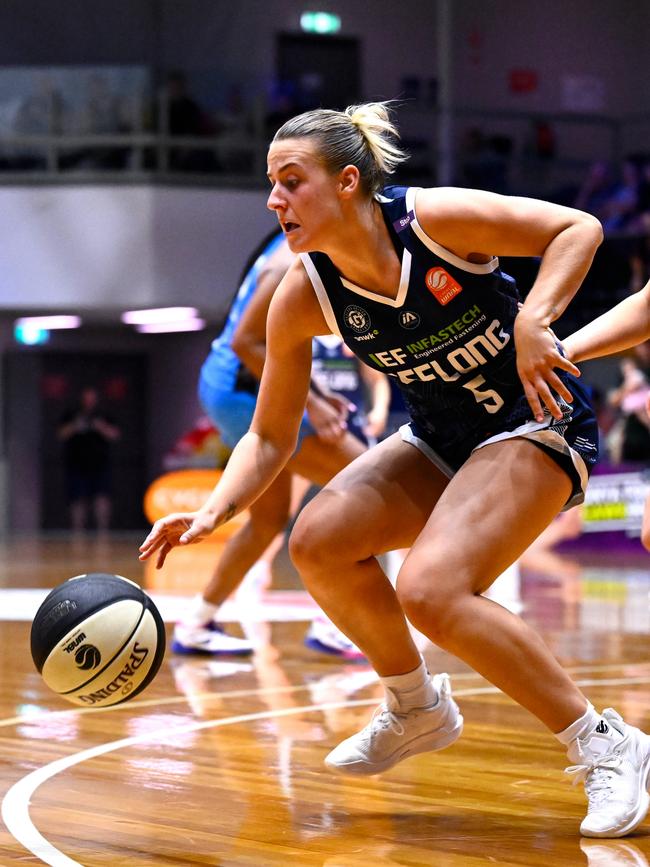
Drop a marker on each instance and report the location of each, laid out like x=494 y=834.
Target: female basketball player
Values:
x=228 y=385
x=500 y=439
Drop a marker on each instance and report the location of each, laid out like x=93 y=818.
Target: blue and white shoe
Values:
x=209 y=639
x=322 y=635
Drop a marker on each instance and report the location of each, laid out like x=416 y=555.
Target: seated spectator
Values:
x=185 y=117
x=100 y=114
x=619 y=211
x=485 y=161
x=630 y=399
x=596 y=188
x=42 y=112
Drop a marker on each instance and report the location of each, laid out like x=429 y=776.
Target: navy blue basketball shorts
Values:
x=572 y=442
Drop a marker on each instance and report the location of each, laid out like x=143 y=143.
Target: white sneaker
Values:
x=323 y=635
x=391 y=736
x=209 y=638
x=614 y=764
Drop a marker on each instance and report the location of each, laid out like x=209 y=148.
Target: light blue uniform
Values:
x=227 y=390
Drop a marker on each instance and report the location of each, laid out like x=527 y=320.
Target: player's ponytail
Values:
x=363 y=136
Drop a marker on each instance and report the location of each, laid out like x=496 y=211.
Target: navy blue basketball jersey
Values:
x=446 y=340
x=336 y=369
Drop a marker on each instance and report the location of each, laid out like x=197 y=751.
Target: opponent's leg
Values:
x=197 y=632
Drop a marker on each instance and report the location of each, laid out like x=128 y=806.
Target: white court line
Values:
x=15 y=804
x=132 y=705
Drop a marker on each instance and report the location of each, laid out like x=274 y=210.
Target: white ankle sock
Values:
x=413 y=689
x=581 y=727
x=199 y=612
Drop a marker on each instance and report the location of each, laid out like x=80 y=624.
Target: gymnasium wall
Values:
x=120 y=247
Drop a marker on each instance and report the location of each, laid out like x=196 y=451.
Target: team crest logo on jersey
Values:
x=442 y=285
x=357 y=318
x=408 y=319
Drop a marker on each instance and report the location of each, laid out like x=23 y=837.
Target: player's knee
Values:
x=428 y=605
x=309 y=544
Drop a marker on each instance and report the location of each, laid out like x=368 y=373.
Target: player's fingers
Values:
x=546 y=396
x=192 y=533
x=150 y=544
x=564 y=363
x=162 y=554
x=533 y=400
x=554 y=382
x=157 y=532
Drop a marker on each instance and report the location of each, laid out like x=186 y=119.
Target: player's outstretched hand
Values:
x=179 y=528
x=538 y=355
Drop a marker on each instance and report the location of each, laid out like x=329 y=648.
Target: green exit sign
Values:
x=320 y=22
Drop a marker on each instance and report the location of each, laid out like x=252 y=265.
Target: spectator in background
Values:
x=42 y=112
x=596 y=188
x=620 y=209
x=185 y=117
x=101 y=113
x=485 y=161
x=630 y=399
x=86 y=434
x=614 y=201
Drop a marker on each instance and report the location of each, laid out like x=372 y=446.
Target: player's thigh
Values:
x=320 y=461
x=273 y=507
x=379 y=502
x=495 y=506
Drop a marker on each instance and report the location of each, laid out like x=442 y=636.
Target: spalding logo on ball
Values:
x=97 y=640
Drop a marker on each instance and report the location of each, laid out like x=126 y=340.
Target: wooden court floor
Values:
x=220 y=762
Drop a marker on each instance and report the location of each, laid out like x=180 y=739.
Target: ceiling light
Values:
x=158 y=314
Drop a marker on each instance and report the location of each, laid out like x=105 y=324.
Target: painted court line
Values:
x=39 y=716
x=15 y=805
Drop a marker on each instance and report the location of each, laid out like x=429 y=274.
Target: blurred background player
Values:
x=228 y=386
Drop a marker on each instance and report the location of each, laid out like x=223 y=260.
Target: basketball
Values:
x=97 y=640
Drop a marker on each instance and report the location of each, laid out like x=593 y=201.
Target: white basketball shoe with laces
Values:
x=393 y=735
x=613 y=761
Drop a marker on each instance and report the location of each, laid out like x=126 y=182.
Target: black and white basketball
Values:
x=97 y=640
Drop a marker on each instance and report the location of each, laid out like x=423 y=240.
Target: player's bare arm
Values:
x=625 y=325
x=294 y=318
x=564 y=238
